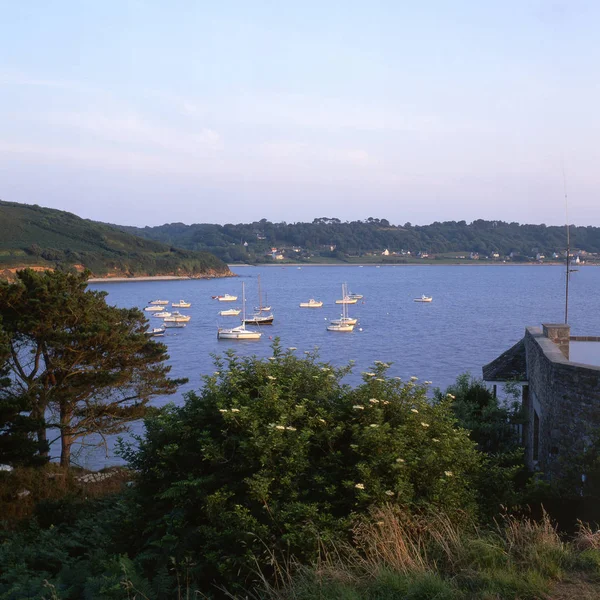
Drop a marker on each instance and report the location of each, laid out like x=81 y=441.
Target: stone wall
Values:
x=563 y=395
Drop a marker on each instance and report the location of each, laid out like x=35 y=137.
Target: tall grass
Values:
x=399 y=556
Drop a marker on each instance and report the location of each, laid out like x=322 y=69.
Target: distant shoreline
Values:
x=423 y=264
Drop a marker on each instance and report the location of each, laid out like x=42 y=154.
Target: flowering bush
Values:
x=277 y=455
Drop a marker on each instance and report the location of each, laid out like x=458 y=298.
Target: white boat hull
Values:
x=344 y=321
x=238 y=333
x=343 y=328
x=159 y=302
x=311 y=304
x=347 y=301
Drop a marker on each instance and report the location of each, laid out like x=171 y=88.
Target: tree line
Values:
x=252 y=241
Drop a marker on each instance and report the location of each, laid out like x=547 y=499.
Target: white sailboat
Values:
x=344 y=324
x=258 y=318
x=348 y=298
x=240 y=332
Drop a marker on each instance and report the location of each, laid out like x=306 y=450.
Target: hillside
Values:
x=331 y=239
x=32 y=236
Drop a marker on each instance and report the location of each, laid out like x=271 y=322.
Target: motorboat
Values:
x=162 y=315
x=226 y=298
x=312 y=303
x=240 y=332
x=181 y=304
x=154 y=308
x=231 y=312
x=423 y=298
x=355 y=296
x=156 y=332
x=174 y=324
x=159 y=302
x=177 y=317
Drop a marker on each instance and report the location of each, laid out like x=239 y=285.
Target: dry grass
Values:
x=586 y=538
x=22 y=489
x=521 y=534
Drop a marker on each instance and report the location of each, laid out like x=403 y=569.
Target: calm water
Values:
x=477 y=312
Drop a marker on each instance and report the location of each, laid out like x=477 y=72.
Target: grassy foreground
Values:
x=398 y=557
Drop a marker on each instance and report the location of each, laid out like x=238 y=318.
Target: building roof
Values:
x=509 y=366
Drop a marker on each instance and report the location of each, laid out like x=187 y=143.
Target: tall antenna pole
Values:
x=568 y=248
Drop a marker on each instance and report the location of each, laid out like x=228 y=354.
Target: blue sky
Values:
x=144 y=112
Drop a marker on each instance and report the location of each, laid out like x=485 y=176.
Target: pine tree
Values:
x=81 y=365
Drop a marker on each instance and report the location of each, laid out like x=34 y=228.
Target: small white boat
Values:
x=240 y=332
x=344 y=321
x=162 y=315
x=237 y=333
x=345 y=327
x=355 y=296
x=171 y=324
x=232 y=312
x=159 y=302
x=177 y=317
x=181 y=304
x=226 y=298
x=154 y=308
x=423 y=298
x=312 y=303
x=156 y=332
x=347 y=300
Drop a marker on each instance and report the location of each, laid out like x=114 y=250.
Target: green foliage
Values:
x=356 y=238
x=277 y=454
x=17 y=447
x=72 y=354
x=32 y=235
x=494 y=427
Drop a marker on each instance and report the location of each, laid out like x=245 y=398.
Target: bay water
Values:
x=477 y=312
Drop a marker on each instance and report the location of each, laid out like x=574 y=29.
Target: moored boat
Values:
x=240 y=332
x=231 y=312
x=159 y=302
x=154 y=308
x=312 y=303
x=177 y=317
x=162 y=315
x=156 y=332
x=181 y=304
x=226 y=298
x=423 y=298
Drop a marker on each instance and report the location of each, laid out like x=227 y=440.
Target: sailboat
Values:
x=342 y=324
x=344 y=319
x=348 y=298
x=258 y=318
x=240 y=332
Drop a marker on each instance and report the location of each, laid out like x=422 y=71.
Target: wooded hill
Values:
x=32 y=236
x=331 y=238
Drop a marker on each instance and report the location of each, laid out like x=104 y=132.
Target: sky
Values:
x=144 y=112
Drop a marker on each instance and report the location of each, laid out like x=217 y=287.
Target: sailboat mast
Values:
x=568 y=250
x=243 y=305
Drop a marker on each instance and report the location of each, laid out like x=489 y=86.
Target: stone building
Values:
x=560 y=378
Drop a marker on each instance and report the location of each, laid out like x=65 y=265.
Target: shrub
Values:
x=279 y=454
